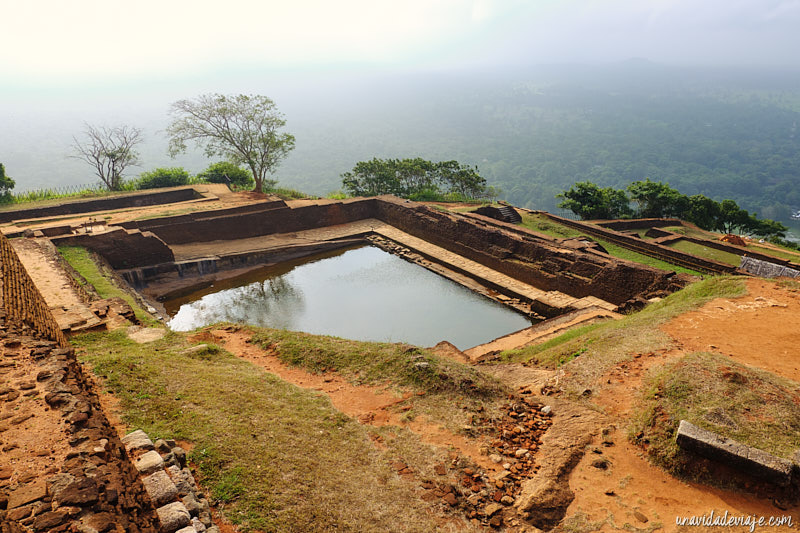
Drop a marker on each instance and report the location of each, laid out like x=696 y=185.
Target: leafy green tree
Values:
x=461 y=179
x=217 y=172
x=163 y=177
x=243 y=129
x=733 y=217
x=589 y=201
x=657 y=200
x=6 y=184
x=704 y=212
x=110 y=151
x=371 y=178
x=414 y=178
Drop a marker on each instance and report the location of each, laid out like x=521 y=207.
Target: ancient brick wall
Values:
x=62 y=466
x=265 y=222
x=24 y=306
x=536 y=261
x=647 y=248
x=122 y=248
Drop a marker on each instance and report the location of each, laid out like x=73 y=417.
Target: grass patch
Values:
x=620 y=252
x=92 y=274
x=749 y=405
x=542 y=224
x=588 y=352
x=275 y=457
x=377 y=362
x=705 y=252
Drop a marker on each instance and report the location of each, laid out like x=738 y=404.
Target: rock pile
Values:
x=170 y=484
x=487 y=498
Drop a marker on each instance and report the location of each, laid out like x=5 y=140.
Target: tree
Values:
x=163 y=177
x=589 y=201
x=414 y=178
x=110 y=151
x=657 y=200
x=243 y=129
x=6 y=184
x=217 y=172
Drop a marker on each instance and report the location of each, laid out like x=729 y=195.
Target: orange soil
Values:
x=752 y=330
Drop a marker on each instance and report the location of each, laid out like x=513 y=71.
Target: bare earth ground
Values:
x=759 y=329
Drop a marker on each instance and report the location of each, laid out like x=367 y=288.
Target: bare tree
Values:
x=242 y=128
x=110 y=151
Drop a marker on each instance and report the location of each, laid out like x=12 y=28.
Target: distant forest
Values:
x=727 y=134
x=722 y=134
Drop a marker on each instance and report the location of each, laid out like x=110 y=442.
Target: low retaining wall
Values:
x=150 y=224
x=103 y=204
x=265 y=222
x=24 y=306
x=122 y=248
x=537 y=261
x=751 y=461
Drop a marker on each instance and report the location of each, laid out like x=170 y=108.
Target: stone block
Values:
x=173 y=517
x=149 y=463
x=137 y=440
x=749 y=460
x=160 y=488
x=27 y=494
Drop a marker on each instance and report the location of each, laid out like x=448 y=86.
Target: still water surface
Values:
x=363 y=294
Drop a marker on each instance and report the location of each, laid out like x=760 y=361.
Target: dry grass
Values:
x=749 y=405
x=275 y=457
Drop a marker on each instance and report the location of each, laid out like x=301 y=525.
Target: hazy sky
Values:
x=48 y=43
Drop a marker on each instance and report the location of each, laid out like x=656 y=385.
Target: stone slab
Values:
x=751 y=461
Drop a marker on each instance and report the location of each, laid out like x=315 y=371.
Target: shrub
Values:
x=240 y=177
x=163 y=177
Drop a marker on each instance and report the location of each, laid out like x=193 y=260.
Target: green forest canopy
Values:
x=658 y=200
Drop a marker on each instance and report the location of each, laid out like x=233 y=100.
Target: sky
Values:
x=64 y=64
x=49 y=43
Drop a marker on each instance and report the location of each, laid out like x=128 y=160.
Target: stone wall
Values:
x=647 y=248
x=537 y=261
x=265 y=222
x=23 y=305
x=102 y=204
x=62 y=465
x=122 y=248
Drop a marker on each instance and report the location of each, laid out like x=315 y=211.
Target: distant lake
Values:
x=362 y=294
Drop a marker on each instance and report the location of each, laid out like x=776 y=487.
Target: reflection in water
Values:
x=270 y=303
x=364 y=294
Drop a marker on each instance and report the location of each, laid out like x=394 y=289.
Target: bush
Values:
x=216 y=173
x=163 y=177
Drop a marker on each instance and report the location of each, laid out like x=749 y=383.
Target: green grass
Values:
x=91 y=273
x=542 y=224
x=705 y=252
x=620 y=252
x=587 y=353
x=749 y=405
x=274 y=457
